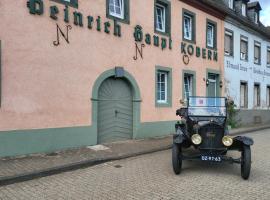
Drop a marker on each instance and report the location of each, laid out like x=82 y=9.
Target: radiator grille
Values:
x=212 y=135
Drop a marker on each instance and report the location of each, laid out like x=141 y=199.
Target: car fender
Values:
x=243 y=139
x=179 y=137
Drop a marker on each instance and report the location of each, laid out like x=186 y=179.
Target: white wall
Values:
x=237 y=70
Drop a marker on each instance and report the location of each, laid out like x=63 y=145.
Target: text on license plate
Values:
x=211 y=158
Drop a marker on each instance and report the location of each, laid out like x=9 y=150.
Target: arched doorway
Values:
x=115 y=110
x=126 y=81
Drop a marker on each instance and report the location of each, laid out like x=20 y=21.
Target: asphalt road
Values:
x=151 y=177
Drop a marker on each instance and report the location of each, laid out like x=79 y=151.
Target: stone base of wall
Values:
x=250 y=117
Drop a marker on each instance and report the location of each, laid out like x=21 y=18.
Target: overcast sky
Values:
x=265 y=13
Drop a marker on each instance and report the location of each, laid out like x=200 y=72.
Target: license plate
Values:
x=211 y=158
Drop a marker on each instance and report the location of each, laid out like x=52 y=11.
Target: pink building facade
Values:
x=78 y=73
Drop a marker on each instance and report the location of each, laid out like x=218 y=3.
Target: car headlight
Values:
x=196 y=139
x=227 y=141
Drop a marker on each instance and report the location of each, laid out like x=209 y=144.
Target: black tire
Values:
x=246 y=162
x=177 y=158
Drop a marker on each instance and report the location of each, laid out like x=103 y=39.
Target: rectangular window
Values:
x=243 y=95
x=268 y=96
x=188 y=86
x=256 y=18
x=231 y=4
x=211 y=34
x=257 y=95
x=188 y=26
x=162 y=17
x=257 y=53
x=162 y=87
x=268 y=56
x=244 y=48
x=244 y=9
x=118 y=10
x=228 y=43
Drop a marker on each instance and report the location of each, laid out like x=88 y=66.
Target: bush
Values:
x=232 y=113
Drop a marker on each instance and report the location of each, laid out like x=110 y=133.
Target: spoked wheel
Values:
x=177 y=158
x=246 y=162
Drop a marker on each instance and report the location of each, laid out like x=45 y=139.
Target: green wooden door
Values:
x=115 y=111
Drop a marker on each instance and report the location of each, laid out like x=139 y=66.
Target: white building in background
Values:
x=247 y=60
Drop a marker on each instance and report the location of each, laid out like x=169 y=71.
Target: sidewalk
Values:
x=19 y=169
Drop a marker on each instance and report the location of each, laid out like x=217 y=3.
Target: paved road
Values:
x=151 y=177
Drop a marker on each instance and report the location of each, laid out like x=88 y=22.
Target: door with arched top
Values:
x=115 y=110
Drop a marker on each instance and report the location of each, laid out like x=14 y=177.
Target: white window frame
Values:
x=243 y=56
x=244 y=9
x=230 y=34
x=257 y=95
x=210 y=43
x=256 y=44
x=231 y=4
x=244 y=101
x=163 y=18
x=268 y=56
x=256 y=18
x=268 y=96
x=190 y=27
x=189 y=84
x=159 y=83
x=122 y=6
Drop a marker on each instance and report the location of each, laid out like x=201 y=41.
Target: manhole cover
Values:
x=117 y=166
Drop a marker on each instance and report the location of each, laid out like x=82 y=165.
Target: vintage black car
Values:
x=203 y=126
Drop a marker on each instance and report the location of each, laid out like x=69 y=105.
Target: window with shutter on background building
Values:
x=268 y=56
x=187 y=27
x=162 y=87
x=231 y=4
x=228 y=46
x=257 y=53
x=268 y=96
x=116 y=8
x=243 y=95
x=257 y=95
x=244 y=48
x=244 y=9
x=160 y=17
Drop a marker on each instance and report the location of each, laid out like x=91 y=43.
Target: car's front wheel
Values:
x=177 y=158
x=245 y=162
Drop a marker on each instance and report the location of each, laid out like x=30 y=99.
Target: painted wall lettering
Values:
x=64 y=35
x=188 y=49
x=138 y=50
x=36 y=7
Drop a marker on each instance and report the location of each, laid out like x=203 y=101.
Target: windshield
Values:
x=207 y=106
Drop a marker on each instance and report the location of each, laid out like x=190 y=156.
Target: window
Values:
x=256 y=18
x=244 y=48
x=268 y=96
x=228 y=43
x=243 y=95
x=244 y=9
x=162 y=16
x=268 y=56
x=211 y=34
x=163 y=87
x=188 y=86
x=257 y=95
x=188 y=26
x=257 y=53
x=118 y=10
x=72 y=3
x=231 y=4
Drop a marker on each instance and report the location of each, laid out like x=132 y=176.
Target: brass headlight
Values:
x=227 y=141
x=196 y=139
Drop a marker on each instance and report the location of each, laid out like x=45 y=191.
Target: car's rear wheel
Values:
x=177 y=158
x=245 y=162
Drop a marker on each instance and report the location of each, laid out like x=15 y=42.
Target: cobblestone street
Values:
x=151 y=177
